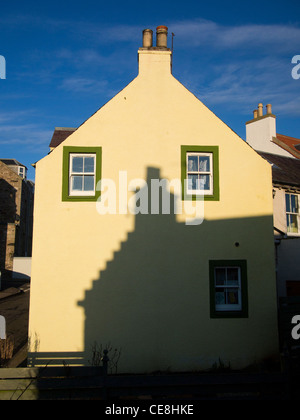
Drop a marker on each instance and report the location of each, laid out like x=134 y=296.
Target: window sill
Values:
x=229 y=314
x=295 y=235
x=81 y=198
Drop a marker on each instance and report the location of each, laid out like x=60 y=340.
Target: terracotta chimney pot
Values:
x=162 y=36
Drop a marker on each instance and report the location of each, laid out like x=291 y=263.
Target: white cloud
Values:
x=273 y=38
x=83 y=85
x=16 y=132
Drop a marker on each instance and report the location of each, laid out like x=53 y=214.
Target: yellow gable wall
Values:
x=142 y=282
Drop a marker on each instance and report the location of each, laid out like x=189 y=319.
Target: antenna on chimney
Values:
x=173 y=41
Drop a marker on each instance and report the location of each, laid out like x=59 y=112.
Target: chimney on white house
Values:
x=162 y=36
x=261 y=132
x=147 y=38
x=155 y=59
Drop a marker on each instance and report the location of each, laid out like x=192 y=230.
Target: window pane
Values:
x=232 y=297
x=89 y=164
x=204 y=164
x=232 y=276
x=220 y=297
x=89 y=183
x=77 y=164
x=192 y=164
x=292 y=223
x=77 y=183
x=204 y=182
x=294 y=203
x=193 y=182
x=220 y=276
x=287 y=202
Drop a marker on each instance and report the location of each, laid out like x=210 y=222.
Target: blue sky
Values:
x=65 y=59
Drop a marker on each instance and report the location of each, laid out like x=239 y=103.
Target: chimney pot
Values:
x=162 y=36
x=260 y=110
x=269 y=109
x=255 y=114
x=147 y=38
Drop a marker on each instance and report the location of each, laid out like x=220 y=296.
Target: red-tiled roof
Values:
x=290 y=144
x=60 y=135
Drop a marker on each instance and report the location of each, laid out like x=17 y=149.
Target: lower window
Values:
x=228 y=288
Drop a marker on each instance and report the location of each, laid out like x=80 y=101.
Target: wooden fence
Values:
x=88 y=383
x=52 y=383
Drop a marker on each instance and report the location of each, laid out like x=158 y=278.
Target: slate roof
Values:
x=12 y=162
x=60 y=134
x=285 y=170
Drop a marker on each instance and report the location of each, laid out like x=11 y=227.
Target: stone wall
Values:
x=16 y=219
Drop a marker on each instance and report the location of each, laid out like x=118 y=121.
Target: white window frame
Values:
x=209 y=173
x=21 y=171
x=229 y=307
x=290 y=213
x=83 y=193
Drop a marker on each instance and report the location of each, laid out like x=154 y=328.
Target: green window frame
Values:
x=68 y=153
x=237 y=287
x=211 y=174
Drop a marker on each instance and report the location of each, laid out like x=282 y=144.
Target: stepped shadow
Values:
x=151 y=302
x=148 y=272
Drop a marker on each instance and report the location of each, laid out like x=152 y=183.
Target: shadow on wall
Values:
x=151 y=305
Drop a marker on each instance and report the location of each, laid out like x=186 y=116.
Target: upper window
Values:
x=81 y=172
x=21 y=171
x=200 y=172
x=292 y=212
x=228 y=288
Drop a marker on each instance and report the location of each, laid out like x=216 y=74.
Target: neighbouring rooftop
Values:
x=285 y=171
x=60 y=134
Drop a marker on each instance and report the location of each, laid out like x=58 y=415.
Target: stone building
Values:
x=16 y=216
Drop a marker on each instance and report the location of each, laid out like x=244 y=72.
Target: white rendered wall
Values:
x=259 y=135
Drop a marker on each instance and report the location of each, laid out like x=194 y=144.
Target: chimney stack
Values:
x=269 y=109
x=147 y=38
x=261 y=130
x=162 y=36
x=155 y=61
